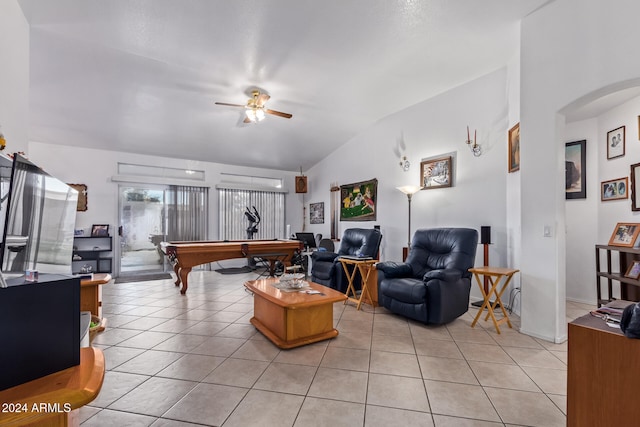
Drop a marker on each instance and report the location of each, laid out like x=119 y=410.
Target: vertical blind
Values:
x=187 y=213
x=233 y=203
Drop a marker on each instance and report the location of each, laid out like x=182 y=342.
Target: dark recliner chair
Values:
x=327 y=270
x=434 y=283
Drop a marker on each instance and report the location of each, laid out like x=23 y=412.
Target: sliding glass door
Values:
x=152 y=214
x=143 y=225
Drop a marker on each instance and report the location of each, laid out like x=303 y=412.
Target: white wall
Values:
x=582 y=218
x=568 y=51
x=14 y=76
x=96 y=167
x=434 y=127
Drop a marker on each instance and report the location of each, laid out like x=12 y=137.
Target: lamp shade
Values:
x=409 y=189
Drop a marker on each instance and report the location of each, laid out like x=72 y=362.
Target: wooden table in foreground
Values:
x=186 y=255
x=293 y=319
x=47 y=401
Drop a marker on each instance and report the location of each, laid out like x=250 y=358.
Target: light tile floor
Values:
x=194 y=359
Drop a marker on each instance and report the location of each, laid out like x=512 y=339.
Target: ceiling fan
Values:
x=255 y=110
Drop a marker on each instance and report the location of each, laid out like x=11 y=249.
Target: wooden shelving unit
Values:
x=629 y=288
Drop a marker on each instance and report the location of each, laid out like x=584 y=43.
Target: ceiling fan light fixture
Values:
x=255 y=114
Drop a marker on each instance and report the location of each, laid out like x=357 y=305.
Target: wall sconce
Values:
x=473 y=145
x=404 y=163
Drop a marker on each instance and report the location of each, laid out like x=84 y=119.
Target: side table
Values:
x=364 y=266
x=48 y=401
x=495 y=275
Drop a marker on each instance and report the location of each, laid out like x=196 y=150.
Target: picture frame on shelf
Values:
x=576 y=170
x=616 y=143
x=614 y=189
x=316 y=213
x=99 y=230
x=633 y=272
x=635 y=187
x=359 y=200
x=625 y=234
x=436 y=173
x=514 y=148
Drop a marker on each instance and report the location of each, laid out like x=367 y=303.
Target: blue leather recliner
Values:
x=434 y=283
x=326 y=268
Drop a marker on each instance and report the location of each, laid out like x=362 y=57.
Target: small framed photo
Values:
x=625 y=234
x=99 y=230
x=633 y=272
x=436 y=173
x=615 y=143
x=514 y=148
x=635 y=187
x=614 y=189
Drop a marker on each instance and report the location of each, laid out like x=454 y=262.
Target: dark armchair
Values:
x=327 y=270
x=434 y=283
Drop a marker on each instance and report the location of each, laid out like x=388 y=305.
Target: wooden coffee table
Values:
x=293 y=319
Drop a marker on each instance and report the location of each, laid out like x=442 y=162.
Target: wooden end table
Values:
x=495 y=275
x=293 y=319
x=364 y=266
x=48 y=401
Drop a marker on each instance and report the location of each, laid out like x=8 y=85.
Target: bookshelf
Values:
x=629 y=288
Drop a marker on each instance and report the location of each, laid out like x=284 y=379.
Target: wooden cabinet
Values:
x=93 y=252
x=602 y=375
x=629 y=288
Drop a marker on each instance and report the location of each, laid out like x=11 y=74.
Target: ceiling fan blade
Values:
x=246 y=120
x=262 y=98
x=278 y=113
x=230 y=105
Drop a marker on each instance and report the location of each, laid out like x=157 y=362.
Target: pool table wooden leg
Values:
x=183 y=277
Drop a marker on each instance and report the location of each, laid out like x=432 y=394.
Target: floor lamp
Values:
x=409 y=190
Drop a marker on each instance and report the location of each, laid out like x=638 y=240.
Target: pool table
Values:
x=186 y=255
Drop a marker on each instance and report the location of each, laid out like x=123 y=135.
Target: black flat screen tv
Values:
x=39 y=220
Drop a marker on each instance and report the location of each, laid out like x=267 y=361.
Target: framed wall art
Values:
x=625 y=234
x=615 y=143
x=575 y=160
x=358 y=201
x=82 y=196
x=436 y=173
x=614 y=189
x=316 y=213
x=514 y=148
x=635 y=187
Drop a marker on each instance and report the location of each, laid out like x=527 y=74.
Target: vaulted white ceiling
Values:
x=142 y=76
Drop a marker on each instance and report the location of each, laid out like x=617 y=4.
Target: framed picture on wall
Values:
x=635 y=187
x=436 y=173
x=614 y=189
x=82 y=196
x=359 y=201
x=316 y=213
x=625 y=234
x=575 y=160
x=514 y=148
x=615 y=143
